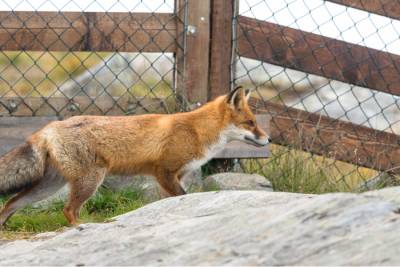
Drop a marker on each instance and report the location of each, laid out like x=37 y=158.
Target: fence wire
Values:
x=65 y=58
x=276 y=61
x=54 y=59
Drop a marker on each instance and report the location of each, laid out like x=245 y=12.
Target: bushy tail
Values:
x=20 y=168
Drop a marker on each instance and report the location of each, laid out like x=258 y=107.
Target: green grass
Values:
x=211 y=187
x=291 y=170
x=101 y=207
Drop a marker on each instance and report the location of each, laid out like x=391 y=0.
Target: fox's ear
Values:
x=235 y=96
x=248 y=93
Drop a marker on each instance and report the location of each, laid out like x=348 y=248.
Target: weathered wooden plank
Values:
x=179 y=55
x=319 y=55
x=387 y=8
x=221 y=47
x=194 y=67
x=239 y=150
x=14 y=130
x=332 y=138
x=193 y=60
x=87 y=31
x=64 y=107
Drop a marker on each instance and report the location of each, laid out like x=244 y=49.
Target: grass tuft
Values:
x=292 y=170
x=103 y=205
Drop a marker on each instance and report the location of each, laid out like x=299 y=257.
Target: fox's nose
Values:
x=269 y=140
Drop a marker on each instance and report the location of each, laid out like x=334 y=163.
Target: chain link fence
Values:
x=327 y=59
x=327 y=74
x=65 y=58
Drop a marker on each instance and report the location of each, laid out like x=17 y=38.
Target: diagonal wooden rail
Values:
x=319 y=55
x=387 y=8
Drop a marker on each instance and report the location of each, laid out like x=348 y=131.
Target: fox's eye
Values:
x=250 y=123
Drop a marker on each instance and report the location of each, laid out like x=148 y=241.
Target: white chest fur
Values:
x=231 y=132
x=209 y=153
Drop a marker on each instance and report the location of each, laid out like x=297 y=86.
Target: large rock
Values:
x=193 y=181
x=381 y=180
x=231 y=228
x=236 y=181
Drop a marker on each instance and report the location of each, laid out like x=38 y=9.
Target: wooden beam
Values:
x=221 y=47
x=332 y=138
x=240 y=150
x=387 y=8
x=102 y=105
x=319 y=55
x=179 y=55
x=14 y=131
x=87 y=31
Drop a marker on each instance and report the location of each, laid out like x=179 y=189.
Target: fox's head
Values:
x=242 y=122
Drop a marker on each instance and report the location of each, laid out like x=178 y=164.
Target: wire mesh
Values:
x=292 y=73
x=65 y=58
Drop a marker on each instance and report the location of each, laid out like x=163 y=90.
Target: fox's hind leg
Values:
x=41 y=189
x=82 y=189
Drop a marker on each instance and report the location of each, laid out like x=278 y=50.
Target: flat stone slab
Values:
x=231 y=228
x=236 y=181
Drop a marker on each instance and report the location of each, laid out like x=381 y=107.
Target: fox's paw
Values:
x=79 y=228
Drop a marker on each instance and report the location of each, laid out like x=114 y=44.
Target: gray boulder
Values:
x=149 y=186
x=193 y=182
x=231 y=228
x=236 y=181
x=146 y=184
x=380 y=181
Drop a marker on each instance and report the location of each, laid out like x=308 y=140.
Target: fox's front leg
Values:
x=169 y=183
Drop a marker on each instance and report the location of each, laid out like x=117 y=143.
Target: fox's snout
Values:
x=258 y=138
x=258 y=141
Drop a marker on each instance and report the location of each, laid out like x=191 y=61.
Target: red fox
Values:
x=81 y=150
